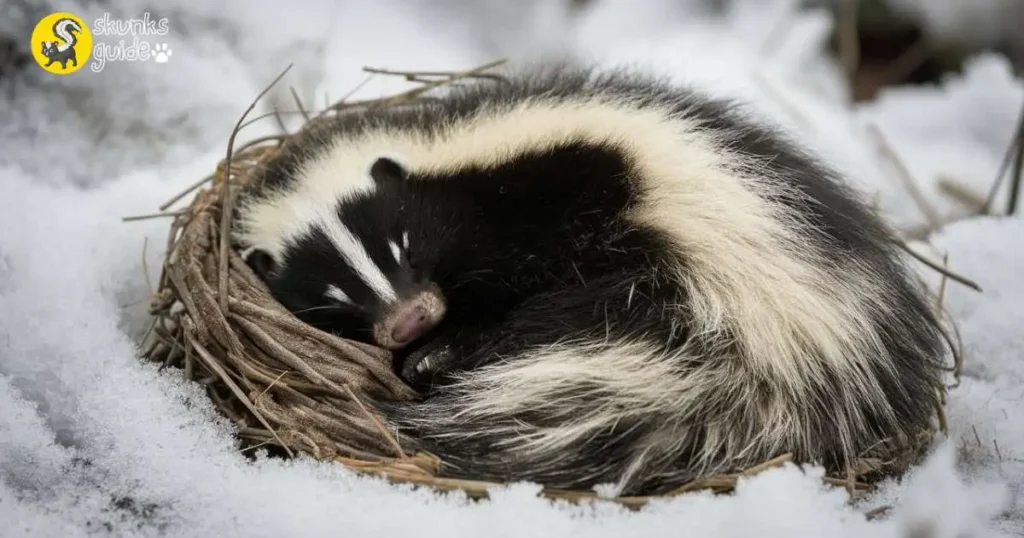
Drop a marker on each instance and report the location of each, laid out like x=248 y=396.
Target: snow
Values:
x=959 y=131
x=95 y=442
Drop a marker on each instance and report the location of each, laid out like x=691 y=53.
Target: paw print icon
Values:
x=161 y=53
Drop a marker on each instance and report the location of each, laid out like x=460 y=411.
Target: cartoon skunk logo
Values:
x=64 y=52
x=61 y=43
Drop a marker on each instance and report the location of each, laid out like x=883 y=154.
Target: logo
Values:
x=135 y=43
x=61 y=43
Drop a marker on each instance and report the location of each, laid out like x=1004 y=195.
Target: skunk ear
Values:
x=387 y=169
x=261 y=262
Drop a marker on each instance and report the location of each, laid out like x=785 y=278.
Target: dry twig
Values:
x=161 y=215
x=929 y=212
x=414 y=93
x=848 y=39
x=1014 y=154
x=941 y=270
x=227 y=198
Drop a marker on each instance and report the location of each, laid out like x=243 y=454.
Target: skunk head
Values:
x=352 y=269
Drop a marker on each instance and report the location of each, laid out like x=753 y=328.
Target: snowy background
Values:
x=93 y=441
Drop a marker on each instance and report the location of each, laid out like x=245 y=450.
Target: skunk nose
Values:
x=411 y=325
x=410 y=319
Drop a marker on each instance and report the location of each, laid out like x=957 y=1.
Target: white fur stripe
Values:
x=395 y=251
x=350 y=247
x=334 y=292
x=634 y=381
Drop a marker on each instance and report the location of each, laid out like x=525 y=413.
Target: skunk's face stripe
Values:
x=285 y=216
x=395 y=251
x=334 y=292
x=358 y=259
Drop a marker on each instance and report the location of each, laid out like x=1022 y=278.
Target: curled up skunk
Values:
x=597 y=277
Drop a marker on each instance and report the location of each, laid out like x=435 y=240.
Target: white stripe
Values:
x=334 y=292
x=405 y=240
x=358 y=259
x=395 y=252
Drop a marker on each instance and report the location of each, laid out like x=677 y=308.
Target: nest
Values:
x=296 y=389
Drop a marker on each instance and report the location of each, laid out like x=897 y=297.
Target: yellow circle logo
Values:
x=61 y=43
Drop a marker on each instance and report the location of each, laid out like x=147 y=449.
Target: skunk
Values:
x=596 y=277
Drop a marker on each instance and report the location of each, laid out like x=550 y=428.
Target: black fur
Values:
x=538 y=250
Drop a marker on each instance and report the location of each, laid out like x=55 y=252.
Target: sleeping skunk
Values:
x=597 y=277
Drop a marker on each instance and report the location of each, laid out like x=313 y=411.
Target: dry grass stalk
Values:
x=903 y=173
x=960 y=193
x=1014 y=157
x=944 y=271
x=849 y=41
x=289 y=386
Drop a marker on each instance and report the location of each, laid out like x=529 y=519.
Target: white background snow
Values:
x=85 y=425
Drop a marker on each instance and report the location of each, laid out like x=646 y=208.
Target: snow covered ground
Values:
x=92 y=441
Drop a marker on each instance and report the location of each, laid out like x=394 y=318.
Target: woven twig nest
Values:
x=287 y=385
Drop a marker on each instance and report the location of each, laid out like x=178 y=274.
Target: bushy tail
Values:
x=66 y=30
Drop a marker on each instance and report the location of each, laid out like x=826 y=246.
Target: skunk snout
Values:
x=410 y=318
x=411 y=325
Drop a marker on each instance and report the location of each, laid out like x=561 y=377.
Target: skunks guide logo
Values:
x=61 y=43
